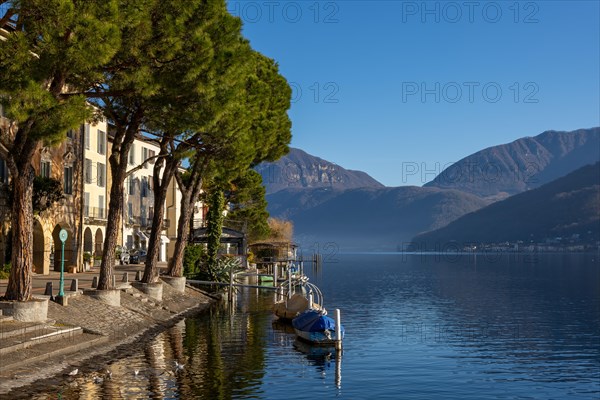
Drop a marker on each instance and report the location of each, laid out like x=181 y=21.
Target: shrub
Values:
x=5 y=271
x=192 y=259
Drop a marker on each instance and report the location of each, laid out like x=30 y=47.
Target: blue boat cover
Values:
x=313 y=321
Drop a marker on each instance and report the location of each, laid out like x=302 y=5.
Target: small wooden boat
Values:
x=316 y=327
x=288 y=309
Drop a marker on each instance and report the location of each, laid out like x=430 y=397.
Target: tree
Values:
x=248 y=210
x=166 y=57
x=214 y=225
x=254 y=129
x=187 y=116
x=52 y=47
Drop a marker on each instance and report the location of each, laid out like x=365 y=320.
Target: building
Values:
x=96 y=187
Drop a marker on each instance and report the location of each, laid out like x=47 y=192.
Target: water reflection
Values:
x=417 y=328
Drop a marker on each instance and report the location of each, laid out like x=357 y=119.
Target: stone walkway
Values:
x=109 y=332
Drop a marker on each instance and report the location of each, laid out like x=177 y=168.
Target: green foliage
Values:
x=220 y=271
x=214 y=225
x=87 y=256
x=193 y=258
x=5 y=271
x=248 y=206
x=46 y=192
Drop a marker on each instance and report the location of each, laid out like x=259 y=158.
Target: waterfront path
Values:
x=86 y=334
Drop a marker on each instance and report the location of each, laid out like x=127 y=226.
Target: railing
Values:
x=94 y=212
x=146 y=222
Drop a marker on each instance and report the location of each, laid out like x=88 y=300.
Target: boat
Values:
x=288 y=309
x=309 y=298
x=316 y=327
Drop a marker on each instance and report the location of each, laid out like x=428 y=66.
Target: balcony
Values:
x=145 y=222
x=95 y=213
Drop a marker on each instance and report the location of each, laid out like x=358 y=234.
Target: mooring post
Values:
x=338 y=330
x=289 y=285
x=275 y=273
x=311 y=299
x=338 y=369
x=231 y=284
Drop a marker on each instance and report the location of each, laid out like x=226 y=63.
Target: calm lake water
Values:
x=417 y=327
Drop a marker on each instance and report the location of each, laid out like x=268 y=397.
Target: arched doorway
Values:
x=88 y=241
x=57 y=246
x=99 y=242
x=40 y=261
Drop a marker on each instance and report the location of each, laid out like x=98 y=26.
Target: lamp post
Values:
x=61 y=288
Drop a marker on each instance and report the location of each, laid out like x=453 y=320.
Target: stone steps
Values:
x=40 y=352
x=10 y=328
x=36 y=334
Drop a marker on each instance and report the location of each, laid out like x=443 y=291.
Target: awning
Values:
x=141 y=235
x=164 y=239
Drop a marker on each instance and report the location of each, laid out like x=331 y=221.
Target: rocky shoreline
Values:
x=107 y=333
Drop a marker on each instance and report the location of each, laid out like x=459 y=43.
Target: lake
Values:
x=454 y=326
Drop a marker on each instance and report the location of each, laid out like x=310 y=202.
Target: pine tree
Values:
x=49 y=48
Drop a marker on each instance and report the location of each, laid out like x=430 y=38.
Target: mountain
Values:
x=501 y=171
x=370 y=218
x=569 y=205
x=301 y=170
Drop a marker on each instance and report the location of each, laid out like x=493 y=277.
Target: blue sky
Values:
x=382 y=86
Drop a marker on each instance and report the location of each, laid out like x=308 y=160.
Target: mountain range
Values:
x=300 y=170
x=501 y=171
x=328 y=203
x=564 y=207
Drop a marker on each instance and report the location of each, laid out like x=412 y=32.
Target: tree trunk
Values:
x=122 y=142
x=115 y=215
x=160 y=196
x=176 y=263
x=20 y=280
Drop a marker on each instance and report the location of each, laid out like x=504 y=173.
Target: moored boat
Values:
x=316 y=327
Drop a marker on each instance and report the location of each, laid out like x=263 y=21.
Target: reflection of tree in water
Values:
x=223 y=352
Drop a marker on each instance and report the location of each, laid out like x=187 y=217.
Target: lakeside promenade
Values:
x=87 y=334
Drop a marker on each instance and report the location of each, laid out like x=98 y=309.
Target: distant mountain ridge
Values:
x=566 y=206
x=504 y=170
x=328 y=203
x=378 y=218
x=300 y=170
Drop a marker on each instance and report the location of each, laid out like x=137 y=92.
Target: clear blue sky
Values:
x=381 y=85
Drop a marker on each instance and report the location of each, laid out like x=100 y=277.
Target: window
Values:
x=71 y=134
x=86 y=204
x=68 y=179
x=151 y=153
x=132 y=155
x=86 y=136
x=131 y=185
x=144 y=188
x=45 y=169
x=130 y=210
x=144 y=154
x=130 y=241
x=101 y=206
x=101 y=142
x=150 y=182
x=101 y=173
x=143 y=215
x=88 y=170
